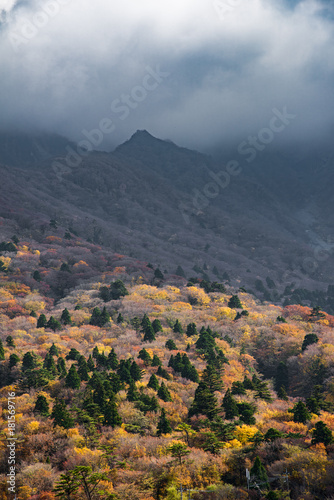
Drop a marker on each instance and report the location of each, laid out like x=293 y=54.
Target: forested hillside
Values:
x=129 y=383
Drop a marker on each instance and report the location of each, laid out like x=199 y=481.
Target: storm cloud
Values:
x=198 y=72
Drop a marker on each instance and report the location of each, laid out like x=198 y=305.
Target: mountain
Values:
x=161 y=203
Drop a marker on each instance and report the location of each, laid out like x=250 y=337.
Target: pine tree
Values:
x=50 y=365
x=117 y=290
x=163 y=393
x=234 y=302
x=156 y=361
x=212 y=378
x=309 y=339
x=230 y=406
x=282 y=376
x=99 y=393
x=177 y=328
x=95 y=319
x=28 y=361
x=10 y=342
x=95 y=352
x=205 y=403
x=132 y=393
x=61 y=367
x=258 y=473
x=66 y=317
x=53 y=324
x=104 y=318
x=191 y=330
x=2 y=351
x=53 y=351
x=164 y=426
x=156 y=325
x=322 y=434
x=72 y=378
x=42 y=406
x=61 y=415
x=83 y=369
x=74 y=354
x=119 y=319
x=281 y=393
x=111 y=415
x=144 y=355
x=300 y=413
x=170 y=344
x=90 y=363
x=124 y=370
x=158 y=274
x=112 y=360
x=149 y=335
x=153 y=383
x=135 y=372
x=13 y=360
x=42 y=321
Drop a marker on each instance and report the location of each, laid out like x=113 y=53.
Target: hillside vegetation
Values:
x=132 y=384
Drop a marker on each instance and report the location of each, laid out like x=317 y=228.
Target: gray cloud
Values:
x=64 y=62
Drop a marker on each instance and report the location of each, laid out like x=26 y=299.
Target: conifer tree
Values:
x=230 y=406
x=119 y=319
x=10 y=342
x=66 y=317
x=13 y=360
x=164 y=426
x=177 y=328
x=42 y=406
x=61 y=415
x=300 y=413
x=104 y=318
x=83 y=369
x=163 y=393
x=28 y=361
x=132 y=393
x=282 y=376
x=50 y=365
x=144 y=355
x=113 y=360
x=234 y=302
x=53 y=351
x=42 y=321
x=191 y=330
x=61 y=367
x=95 y=352
x=153 y=383
x=135 y=372
x=258 y=473
x=205 y=403
x=2 y=351
x=90 y=363
x=53 y=324
x=111 y=415
x=72 y=378
x=95 y=319
x=156 y=325
x=309 y=339
x=156 y=361
x=117 y=290
x=74 y=354
x=322 y=434
x=170 y=344
x=212 y=378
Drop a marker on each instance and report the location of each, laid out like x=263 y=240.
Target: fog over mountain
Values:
x=206 y=75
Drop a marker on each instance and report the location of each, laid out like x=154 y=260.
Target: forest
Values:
x=121 y=382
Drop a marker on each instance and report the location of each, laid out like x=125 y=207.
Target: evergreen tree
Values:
x=313 y=405
x=191 y=330
x=230 y=406
x=300 y=413
x=164 y=426
x=42 y=321
x=117 y=290
x=61 y=415
x=74 y=354
x=180 y=272
x=132 y=393
x=149 y=335
x=246 y=413
x=170 y=344
x=2 y=351
x=95 y=352
x=99 y=393
x=104 y=294
x=144 y=355
x=163 y=393
x=66 y=317
x=135 y=372
x=95 y=319
x=212 y=378
x=124 y=370
x=282 y=376
x=153 y=383
x=156 y=325
x=205 y=403
x=281 y=393
x=13 y=360
x=119 y=319
x=10 y=342
x=177 y=328
x=111 y=415
x=42 y=406
x=234 y=302
x=90 y=363
x=309 y=339
x=161 y=372
x=136 y=323
x=113 y=360
x=238 y=388
x=50 y=365
x=83 y=369
x=28 y=361
x=205 y=341
x=158 y=274
x=36 y=276
x=61 y=367
x=156 y=361
x=33 y=314
x=104 y=318
x=72 y=378
x=53 y=351
x=53 y=324
x=258 y=473
x=322 y=434
x=261 y=389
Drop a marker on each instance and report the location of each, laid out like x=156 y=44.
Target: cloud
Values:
x=64 y=62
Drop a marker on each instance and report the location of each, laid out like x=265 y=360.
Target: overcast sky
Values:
x=198 y=72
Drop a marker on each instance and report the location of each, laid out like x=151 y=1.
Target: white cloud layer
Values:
x=64 y=62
